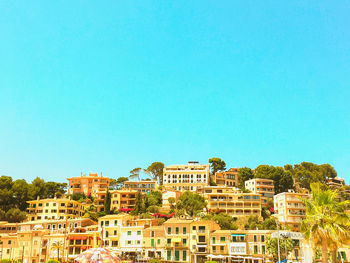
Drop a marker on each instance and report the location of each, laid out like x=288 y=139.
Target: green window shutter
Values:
x=152 y=242
x=177 y=255
x=168 y=255
x=184 y=255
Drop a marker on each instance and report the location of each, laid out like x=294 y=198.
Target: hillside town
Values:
x=190 y=212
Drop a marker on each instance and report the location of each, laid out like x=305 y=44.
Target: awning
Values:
x=176 y=239
x=78 y=237
x=237 y=235
x=201 y=245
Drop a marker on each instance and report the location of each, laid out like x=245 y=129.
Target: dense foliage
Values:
x=15 y=194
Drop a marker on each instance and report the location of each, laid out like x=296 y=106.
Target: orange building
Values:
x=228 y=178
x=88 y=184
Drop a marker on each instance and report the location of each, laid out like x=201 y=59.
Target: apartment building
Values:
x=233 y=202
x=54 y=208
x=201 y=231
x=178 y=238
x=154 y=242
x=228 y=178
x=123 y=199
x=124 y=233
x=88 y=184
x=335 y=183
x=145 y=186
x=187 y=177
x=264 y=187
x=289 y=209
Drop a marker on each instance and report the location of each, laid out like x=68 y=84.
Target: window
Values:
x=263 y=250
x=139 y=232
x=214 y=240
x=184 y=255
x=168 y=241
x=184 y=241
x=158 y=241
x=115 y=232
x=177 y=230
x=255 y=238
x=101 y=223
x=222 y=248
x=129 y=242
x=169 y=230
x=177 y=255
x=168 y=254
x=107 y=223
x=152 y=242
x=184 y=230
x=222 y=239
x=107 y=234
x=115 y=222
x=194 y=228
x=255 y=249
x=129 y=233
x=262 y=238
x=114 y=243
x=214 y=248
x=9 y=242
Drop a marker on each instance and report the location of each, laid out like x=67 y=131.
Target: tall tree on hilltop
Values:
x=244 y=174
x=216 y=164
x=156 y=169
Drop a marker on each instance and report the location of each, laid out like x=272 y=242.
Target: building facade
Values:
x=228 y=178
x=88 y=184
x=289 y=209
x=264 y=187
x=146 y=186
x=55 y=208
x=187 y=177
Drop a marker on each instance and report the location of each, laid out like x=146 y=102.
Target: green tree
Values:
x=225 y=221
x=156 y=169
x=135 y=172
x=38 y=188
x=285 y=244
x=20 y=191
x=139 y=204
x=307 y=173
x=53 y=261
x=154 y=199
x=15 y=215
x=53 y=189
x=216 y=164
x=107 y=204
x=120 y=181
x=191 y=202
x=153 y=209
x=282 y=178
x=244 y=174
x=172 y=201
x=326 y=224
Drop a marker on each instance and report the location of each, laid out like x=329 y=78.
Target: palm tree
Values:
x=326 y=223
x=57 y=245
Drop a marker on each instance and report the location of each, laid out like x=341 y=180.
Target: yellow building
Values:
x=55 y=208
x=289 y=209
x=154 y=242
x=264 y=187
x=145 y=186
x=123 y=199
x=233 y=202
x=228 y=178
x=187 y=177
x=88 y=184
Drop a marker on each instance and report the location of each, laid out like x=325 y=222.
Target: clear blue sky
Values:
x=111 y=85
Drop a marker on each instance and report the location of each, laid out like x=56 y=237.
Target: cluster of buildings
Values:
x=56 y=228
